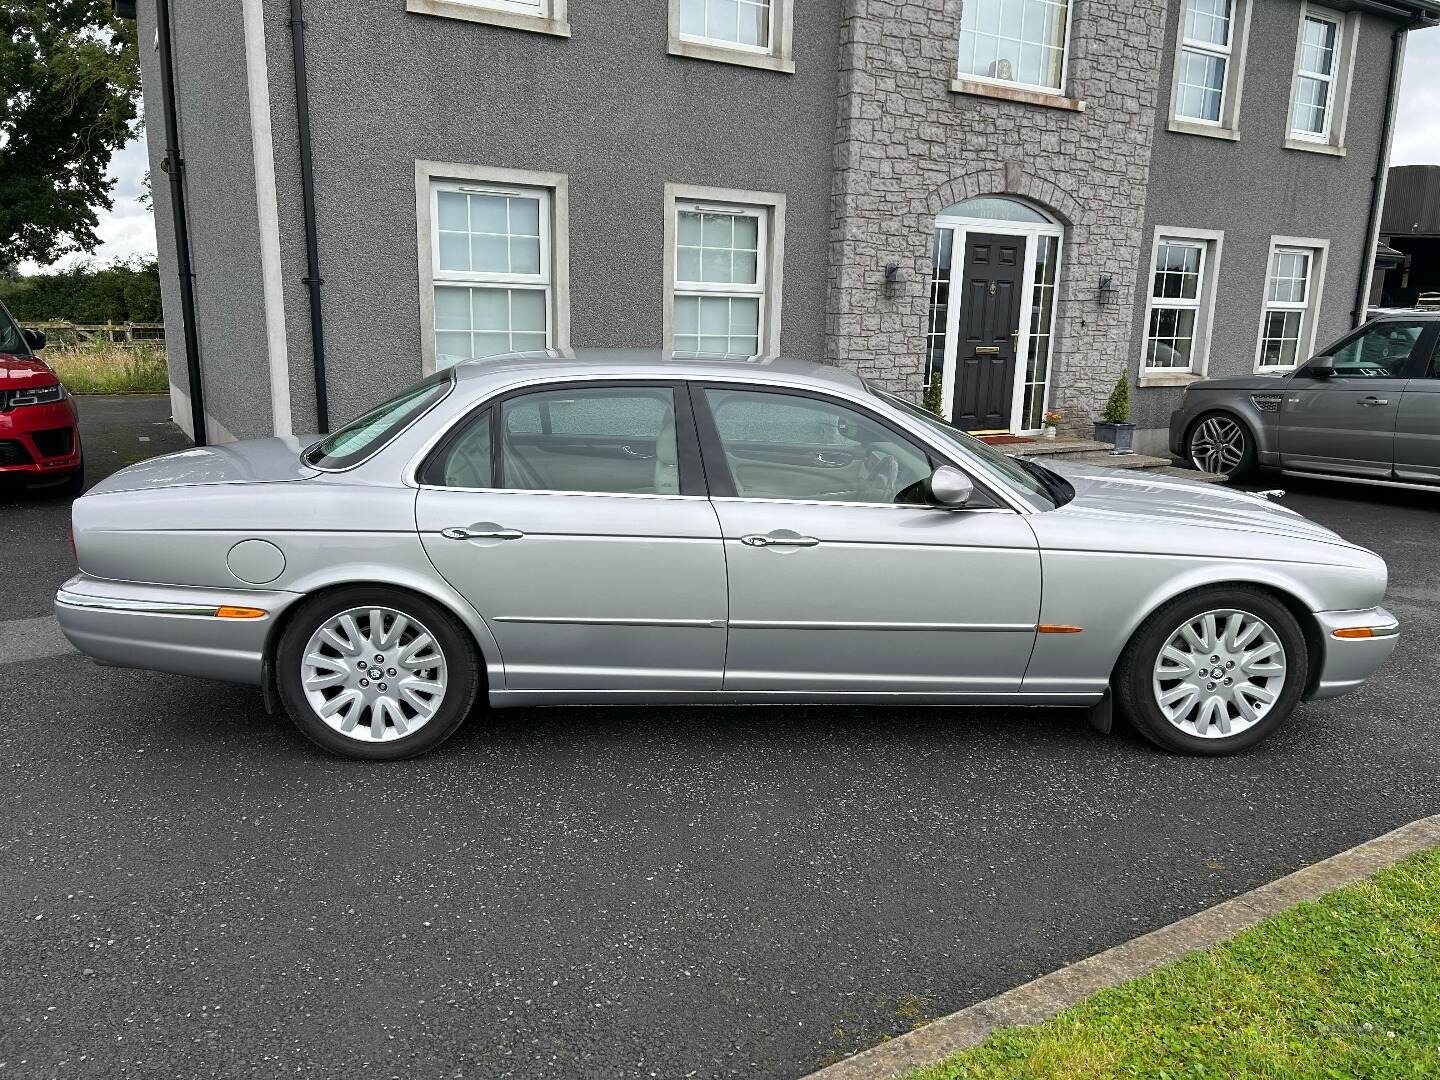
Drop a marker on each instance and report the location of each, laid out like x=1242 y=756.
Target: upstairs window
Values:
x=1315 y=75
x=751 y=33
x=1209 y=67
x=1015 y=41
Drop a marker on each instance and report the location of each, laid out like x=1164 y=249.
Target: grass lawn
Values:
x=1346 y=986
x=99 y=368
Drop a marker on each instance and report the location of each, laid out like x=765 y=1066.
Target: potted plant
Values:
x=1050 y=422
x=931 y=401
x=1114 y=425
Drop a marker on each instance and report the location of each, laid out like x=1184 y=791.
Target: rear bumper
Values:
x=39 y=440
x=1348 y=662
x=169 y=627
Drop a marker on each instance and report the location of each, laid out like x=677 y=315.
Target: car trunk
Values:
x=256 y=461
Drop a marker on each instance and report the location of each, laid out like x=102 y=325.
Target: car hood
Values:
x=24 y=373
x=1241 y=382
x=1142 y=497
x=254 y=461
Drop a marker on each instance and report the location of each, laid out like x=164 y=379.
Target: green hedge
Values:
x=120 y=292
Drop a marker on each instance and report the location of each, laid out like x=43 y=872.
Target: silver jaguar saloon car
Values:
x=632 y=528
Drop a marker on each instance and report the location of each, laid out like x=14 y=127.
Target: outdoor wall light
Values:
x=1108 y=290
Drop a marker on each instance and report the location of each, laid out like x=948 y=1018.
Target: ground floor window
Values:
x=938 y=318
x=1287 y=320
x=1183 y=268
x=1042 y=330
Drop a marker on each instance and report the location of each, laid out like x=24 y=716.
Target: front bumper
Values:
x=170 y=628
x=40 y=440
x=1348 y=662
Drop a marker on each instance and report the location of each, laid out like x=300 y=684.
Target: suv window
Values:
x=614 y=439
x=788 y=446
x=12 y=341
x=1381 y=351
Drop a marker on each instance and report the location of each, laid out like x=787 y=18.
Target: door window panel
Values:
x=1381 y=352
x=619 y=440
x=781 y=446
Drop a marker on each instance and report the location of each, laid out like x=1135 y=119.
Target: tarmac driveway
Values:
x=188 y=888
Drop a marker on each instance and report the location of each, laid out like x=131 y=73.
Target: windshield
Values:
x=1034 y=480
x=12 y=341
x=360 y=438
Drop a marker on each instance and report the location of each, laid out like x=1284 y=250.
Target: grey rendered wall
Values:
x=1256 y=188
x=609 y=107
x=220 y=190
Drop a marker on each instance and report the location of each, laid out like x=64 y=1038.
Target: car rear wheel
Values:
x=1219 y=443
x=1213 y=672
x=376 y=673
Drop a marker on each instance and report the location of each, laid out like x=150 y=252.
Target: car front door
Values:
x=842 y=579
x=574 y=519
x=1417 y=429
x=1345 y=423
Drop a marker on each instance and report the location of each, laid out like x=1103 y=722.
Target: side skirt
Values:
x=502 y=699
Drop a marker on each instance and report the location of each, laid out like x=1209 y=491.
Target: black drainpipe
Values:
x=1382 y=167
x=174 y=166
x=312 y=278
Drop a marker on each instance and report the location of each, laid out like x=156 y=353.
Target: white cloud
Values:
x=1417 y=124
x=129 y=228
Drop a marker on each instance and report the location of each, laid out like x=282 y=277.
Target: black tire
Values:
x=1134 y=681
x=462 y=667
x=74 y=485
x=1196 y=457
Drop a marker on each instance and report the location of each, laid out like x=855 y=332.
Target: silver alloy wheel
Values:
x=1219 y=673
x=1217 y=445
x=374 y=674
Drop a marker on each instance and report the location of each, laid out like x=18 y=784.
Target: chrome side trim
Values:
x=580 y=620
x=1371 y=481
x=973 y=628
x=143 y=607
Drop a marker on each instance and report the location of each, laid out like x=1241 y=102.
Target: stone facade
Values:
x=907 y=146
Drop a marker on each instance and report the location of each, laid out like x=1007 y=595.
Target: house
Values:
x=1410 y=227
x=1011 y=202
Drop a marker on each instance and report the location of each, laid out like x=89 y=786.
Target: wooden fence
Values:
x=128 y=333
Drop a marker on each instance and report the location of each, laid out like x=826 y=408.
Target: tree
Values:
x=69 y=89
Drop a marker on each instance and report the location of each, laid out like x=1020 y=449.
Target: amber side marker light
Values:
x=1058 y=628
x=240 y=613
x=1355 y=632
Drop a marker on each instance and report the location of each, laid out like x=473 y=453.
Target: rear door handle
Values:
x=778 y=539
x=482 y=530
x=1373 y=401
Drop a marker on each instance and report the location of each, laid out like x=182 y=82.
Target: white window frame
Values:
x=770 y=256
x=962 y=76
x=777 y=56
x=1347 y=27
x=1317 y=251
x=1212 y=242
x=1227 y=127
x=552 y=189
x=539 y=16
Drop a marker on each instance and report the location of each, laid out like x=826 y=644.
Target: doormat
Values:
x=1004 y=440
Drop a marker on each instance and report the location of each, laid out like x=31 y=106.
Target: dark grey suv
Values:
x=1366 y=409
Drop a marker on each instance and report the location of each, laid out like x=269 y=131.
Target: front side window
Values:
x=617 y=440
x=719 y=286
x=1207 y=31
x=1176 y=293
x=1315 y=75
x=491 y=271
x=12 y=340
x=735 y=23
x=362 y=437
x=1381 y=351
x=1015 y=41
x=1287 y=303
x=787 y=446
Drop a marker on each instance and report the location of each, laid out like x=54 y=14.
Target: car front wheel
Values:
x=376 y=673
x=1214 y=672
x=1219 y=443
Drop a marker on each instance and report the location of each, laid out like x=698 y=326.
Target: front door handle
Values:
x=483 y=530
x=1372 y=400
x=778 y=539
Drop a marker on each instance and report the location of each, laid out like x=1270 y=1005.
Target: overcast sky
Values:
x=129 y=230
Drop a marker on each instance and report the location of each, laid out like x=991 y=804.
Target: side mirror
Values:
x=1321 y=367
x=35 y=339
x=949 y=486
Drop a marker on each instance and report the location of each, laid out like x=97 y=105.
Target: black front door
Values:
x=989 y=318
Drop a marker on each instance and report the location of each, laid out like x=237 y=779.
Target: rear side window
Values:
x=360 y=438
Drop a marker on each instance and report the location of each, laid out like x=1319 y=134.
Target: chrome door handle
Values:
x=778 y=540
x=1373 y=401
x=481 y=532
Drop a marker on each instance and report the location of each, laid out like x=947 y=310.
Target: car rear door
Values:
x=574 y=518
x=841 y=579
x=1346 y=423
x=1417 y=429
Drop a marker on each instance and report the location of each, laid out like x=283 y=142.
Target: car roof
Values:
x=653 y=363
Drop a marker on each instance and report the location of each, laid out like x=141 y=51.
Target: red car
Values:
x=39 y=429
